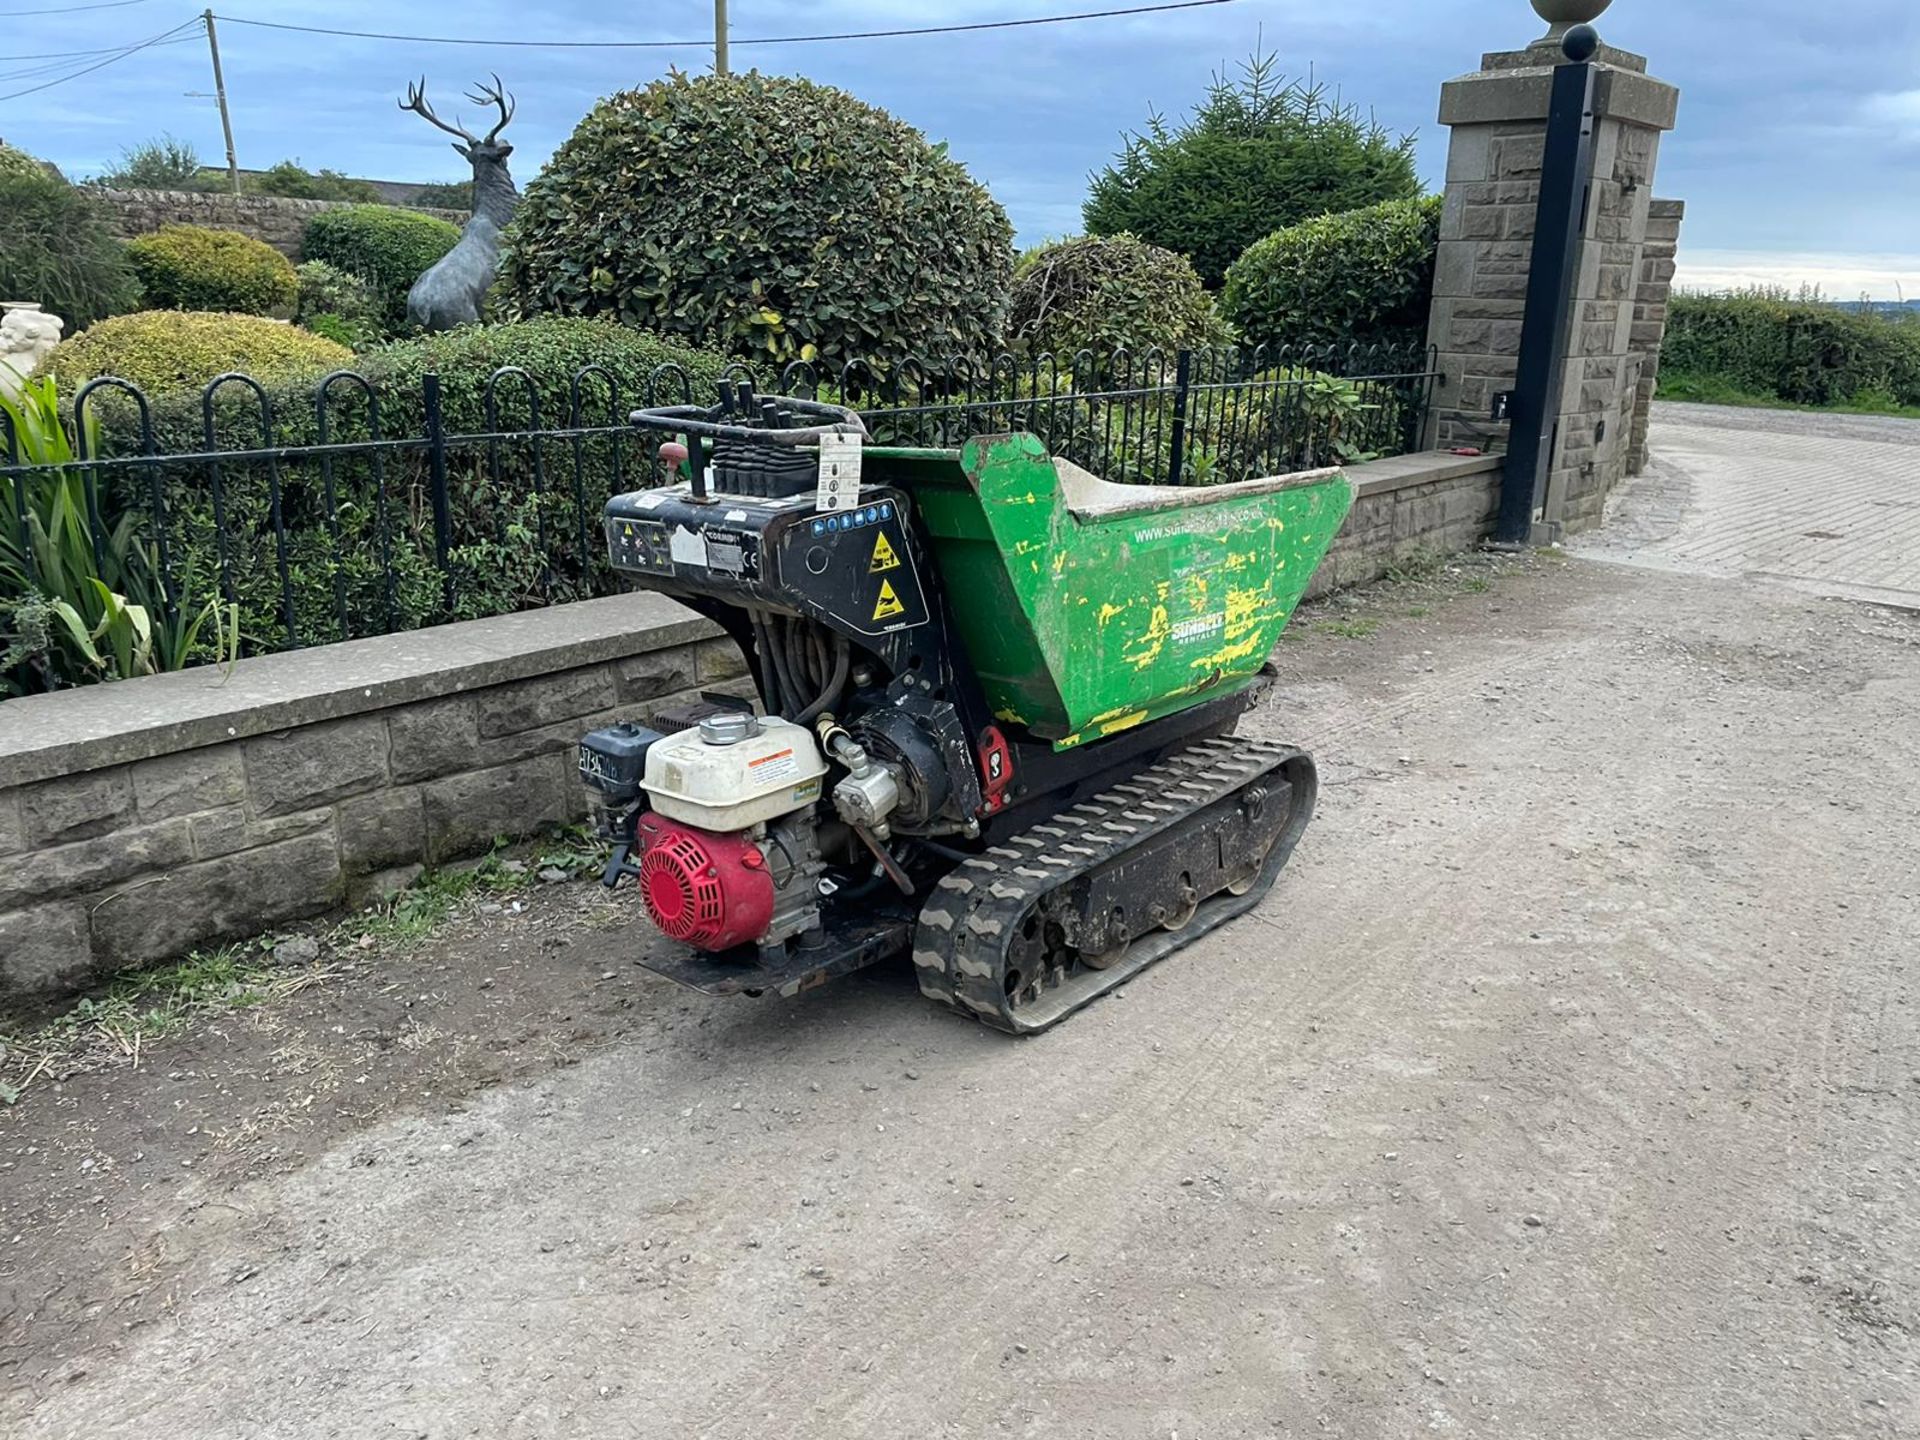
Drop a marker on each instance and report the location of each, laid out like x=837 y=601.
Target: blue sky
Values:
x=1798 y=151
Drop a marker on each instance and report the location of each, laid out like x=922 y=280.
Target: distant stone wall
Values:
x=1658 y=259
x=281 y=222
x=142 y=819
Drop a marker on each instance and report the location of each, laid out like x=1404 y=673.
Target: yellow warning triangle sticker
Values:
x=883 y=556
x=888 y=603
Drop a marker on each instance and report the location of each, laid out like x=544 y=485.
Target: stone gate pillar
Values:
x=1498 y=117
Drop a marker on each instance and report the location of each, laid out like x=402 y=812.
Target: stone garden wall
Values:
x=141 y=819
x=275 y=219
x=1658 y=259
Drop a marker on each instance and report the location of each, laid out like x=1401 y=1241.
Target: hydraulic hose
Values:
x=837 y=682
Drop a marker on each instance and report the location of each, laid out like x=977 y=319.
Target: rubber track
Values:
x=970 y=920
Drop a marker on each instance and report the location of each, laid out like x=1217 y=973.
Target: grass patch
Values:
x=1474 y=585
x=1418 y=564
x=1693 y=389
x=1417 y=612
x=138 y=1008
x=1364 y=627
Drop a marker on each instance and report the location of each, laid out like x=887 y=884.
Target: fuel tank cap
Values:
x=729 y=727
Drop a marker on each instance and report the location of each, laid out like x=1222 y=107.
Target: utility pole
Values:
x=220 y=94
x=719 y=37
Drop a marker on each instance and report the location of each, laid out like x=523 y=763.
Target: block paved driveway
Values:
x=1827 y=503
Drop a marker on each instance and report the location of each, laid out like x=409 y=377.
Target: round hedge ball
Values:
x=186 y=267
x=765 y=216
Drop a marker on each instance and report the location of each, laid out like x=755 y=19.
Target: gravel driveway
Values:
x=1568 y=1085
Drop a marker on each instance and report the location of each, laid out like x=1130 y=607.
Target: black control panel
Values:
x=855 y=567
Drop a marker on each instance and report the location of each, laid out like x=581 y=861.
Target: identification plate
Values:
x=839 y=472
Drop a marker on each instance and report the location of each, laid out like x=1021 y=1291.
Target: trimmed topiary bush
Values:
x=1365 y=276
x=166 y=351
x=1110 y=293
x=765 y=216
x=185 y=267
x=55 y=247
x=1254 y=156
x=390 y=247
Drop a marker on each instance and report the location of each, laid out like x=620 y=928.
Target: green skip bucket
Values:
x=1087 y=607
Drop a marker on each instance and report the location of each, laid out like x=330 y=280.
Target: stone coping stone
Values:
x=1512 y=96
x=1380 y=477
x=95 y=726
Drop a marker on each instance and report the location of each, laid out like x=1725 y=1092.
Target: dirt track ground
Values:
x=1567 y=1086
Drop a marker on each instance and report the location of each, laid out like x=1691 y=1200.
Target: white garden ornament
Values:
x=27 y=335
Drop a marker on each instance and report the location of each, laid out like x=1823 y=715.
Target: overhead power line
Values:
x=706 y=42
x=72 y=9
x=113 y=58
x=84 y=54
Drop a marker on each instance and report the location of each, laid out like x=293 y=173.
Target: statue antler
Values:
x=416 y=101
x=493 y=94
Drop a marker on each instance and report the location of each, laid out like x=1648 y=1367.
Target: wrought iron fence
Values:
x=347 y=510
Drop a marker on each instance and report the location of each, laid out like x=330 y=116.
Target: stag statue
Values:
x=453 y=291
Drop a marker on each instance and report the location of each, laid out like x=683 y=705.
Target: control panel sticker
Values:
x=688 y=547
x=839 y=472
x=888 y=605
x=884 y=555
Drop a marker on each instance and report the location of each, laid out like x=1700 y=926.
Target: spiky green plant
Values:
x=73 y=610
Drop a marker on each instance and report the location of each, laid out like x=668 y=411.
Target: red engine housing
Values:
x=707 y=890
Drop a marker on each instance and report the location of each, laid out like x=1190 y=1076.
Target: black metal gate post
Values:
x=1566 y=181
x=437 y=485
x=1177 y=439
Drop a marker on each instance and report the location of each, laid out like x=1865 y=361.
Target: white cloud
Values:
x=1840 y=276
x=1895 y=110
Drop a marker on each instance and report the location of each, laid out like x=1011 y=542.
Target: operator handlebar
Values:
x=706 y=421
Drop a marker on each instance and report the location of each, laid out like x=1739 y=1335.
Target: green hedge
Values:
x=19 y=162
x=387 y=246
x=174 y=352
x=1258 y=153
x=185 y=267
x=383 y=509
x=1106 y=293
x=1805 y=352
x=766 y=216
x=1363 y=276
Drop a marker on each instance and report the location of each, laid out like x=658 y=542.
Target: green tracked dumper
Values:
x=997 y=701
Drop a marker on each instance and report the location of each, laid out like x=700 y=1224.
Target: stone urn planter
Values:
x=1563 y=15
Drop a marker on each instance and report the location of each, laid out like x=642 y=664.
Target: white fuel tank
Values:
x=734 y=773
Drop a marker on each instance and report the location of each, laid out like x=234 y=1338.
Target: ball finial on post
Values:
x=1581 y=44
